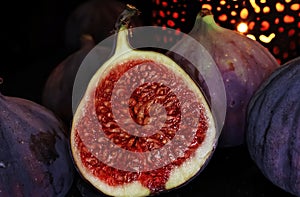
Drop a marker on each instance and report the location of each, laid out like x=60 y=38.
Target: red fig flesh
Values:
x=143 y=126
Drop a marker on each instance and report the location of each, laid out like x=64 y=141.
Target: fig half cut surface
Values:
x=143 y=126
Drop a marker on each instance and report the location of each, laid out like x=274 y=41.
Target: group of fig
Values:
x=43 y=146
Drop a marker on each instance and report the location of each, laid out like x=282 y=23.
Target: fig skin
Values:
x=243 y=63
x=57 y=91
x=273 y=134
x=35 y=158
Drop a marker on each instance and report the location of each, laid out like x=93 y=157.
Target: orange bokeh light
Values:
x=288 y=19
x=242 y=27
x=244 y=13
x=279 y=7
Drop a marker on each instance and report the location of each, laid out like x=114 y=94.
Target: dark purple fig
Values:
x=34 y=152
x=273 y=132
x=57 y=92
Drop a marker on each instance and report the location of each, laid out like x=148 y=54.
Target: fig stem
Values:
x=121 y=28
x=205 y=12
x=125 y=17
x=204 y=20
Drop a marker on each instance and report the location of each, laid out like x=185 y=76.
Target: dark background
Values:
x=33 y=42
x=32 y=35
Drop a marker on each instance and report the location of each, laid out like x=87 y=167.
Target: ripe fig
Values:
x=57 y=92
x=273 y=132
x=243 y=63
x=34 y=152
x=143 y=126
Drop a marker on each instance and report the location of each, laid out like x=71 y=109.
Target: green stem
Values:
x=204 y=21
x=125 y=17
x=205 y=12
x=121 y=27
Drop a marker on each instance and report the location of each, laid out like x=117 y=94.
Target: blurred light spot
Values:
x=288 y=19
x=233 y=13
x=171 y=23
x=255 y=6
x=207 y=6
x=291 y=32
x=232 y=21
x=295 y=7
x=222 y=2
x=251 y=36
x=288 y=1
x=276 y=21
x=251 y=25
x=267 y=39
x=244 y=13
x=279 y=7
x=242 y=27
x=280 y=29
x=263 y=1
x=266 y=9
x=175 y=15
x=223 y=17
x=161 y=13
x=164 y=3
x=265 y=26
x=276 y=50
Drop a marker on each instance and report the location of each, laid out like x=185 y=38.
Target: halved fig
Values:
x=143 y=126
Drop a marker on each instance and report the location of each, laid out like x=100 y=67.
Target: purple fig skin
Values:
x=58 y=89
x=35 y=158
x=57 y=92
x=273 y=132
x=243 y=63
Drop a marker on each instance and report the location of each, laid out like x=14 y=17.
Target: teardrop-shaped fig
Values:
x=243 y=63
x=143 y=126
